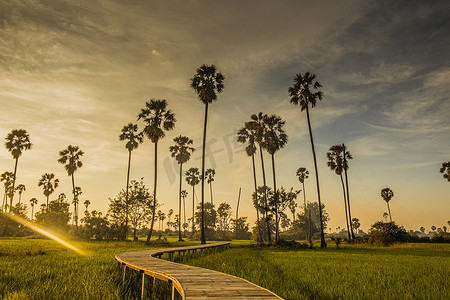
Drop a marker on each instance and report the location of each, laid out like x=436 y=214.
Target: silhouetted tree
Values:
x=356 y=224
x=86 y=204
x=207 y=83
x=433 y=228
x=387 y=195
x=445 y=169
x=385 y=215
x=157 y=119
x=305 y=92
x=193 y=178
x=302 y=175
x=210 y=173
x=49 y=183
x=422 y=229
x=33 y=202
x=17 y=141
x=7 y=179
x=20 y=189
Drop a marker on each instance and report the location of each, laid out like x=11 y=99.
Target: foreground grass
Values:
x=411 y=271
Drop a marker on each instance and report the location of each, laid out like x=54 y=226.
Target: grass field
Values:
x=43 y=269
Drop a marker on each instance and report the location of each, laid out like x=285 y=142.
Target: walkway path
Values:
x=189 y=282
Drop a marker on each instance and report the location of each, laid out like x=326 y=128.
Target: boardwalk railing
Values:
x=189 y=282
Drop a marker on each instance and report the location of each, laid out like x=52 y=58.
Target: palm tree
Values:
x=305 y=92
x=275 y=139
x=7 y=179
x=302 y=175
x=87 y=203
x=17 y=141
x=184 y=194
x=385 y=215
x=49 y=183
x=210 y=173
x=346 y=155
x=258 y=124
x=247 y=134
x=33 y=202
x=21 y=188
x=207 y=83
x=157 y=119
x=71 y=159
x=193 y=178
x=336 y=164
x=133 y=138
x=387 y=195
x=445 y=169
x=182 y=152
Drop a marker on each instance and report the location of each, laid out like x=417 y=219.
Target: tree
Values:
x=21 y=188
x=210 y=173
x=162 y=217
x=33 y=202
x=335 y=158
x=275 y=139
x=210 y=219
x=17 y=141
x=385 y=215
x=87 y=203
x=302 y=227
x=224 y=213
x=56 y=215
x=422 y=229
x=184 y=194
x=133 y=139
x=7 y=179
x=305 y=92
x=157 y=119
x=71 y=159
x=247 y=134
x=346 y=155
x=207 y=83
x=433 y=228
x=182 y=152
x=445 y=170
x=387 y=195
x=170 y=216
x=193 y=178
x=282 y=201
x=49 y=183
x=356 y=224
x=302 y=175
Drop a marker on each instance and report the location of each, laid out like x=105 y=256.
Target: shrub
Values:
x=386 y=234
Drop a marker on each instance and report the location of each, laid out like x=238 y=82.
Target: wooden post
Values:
x=144 y=285
x=124 y=274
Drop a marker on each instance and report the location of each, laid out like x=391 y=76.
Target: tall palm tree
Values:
x=49 y=183
x=387 y=195
x=133 y=138
x=87 y=203
x=275 y=139
x=182 y=152
x=303 y=174
x=346 y=155
x=184 y=194
x=336 y=164
x=71 y=159
x=445 y=170
x=247 y=134
x=20 y=189
x=157 y=119
x=17 y=141
x=76 y=200
x=305 y=92
x=258 y=123
x=210 y=173
x=7 y=179
x=33 y=202
x=207 y=83
x=193 y=178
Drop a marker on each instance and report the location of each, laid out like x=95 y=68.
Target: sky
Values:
x=75 y=72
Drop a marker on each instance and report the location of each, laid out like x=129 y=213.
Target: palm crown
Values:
x=302 y=174
x=387 y=194
x=207 y=82
x=192 y=176
x=157 y=118
x=445 y=169
x=247 y=134
x=305 y=90
x=275 y=137
x=335 y=159
x=17 y=141
x=71 y=158
x=209 y=175
x=181 y=150
x=129 y=134
x=49 y=183
x=257 y=124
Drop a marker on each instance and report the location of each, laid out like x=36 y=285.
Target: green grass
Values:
x=411 y=271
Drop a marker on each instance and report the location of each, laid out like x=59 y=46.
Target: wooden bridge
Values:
x=189 y=282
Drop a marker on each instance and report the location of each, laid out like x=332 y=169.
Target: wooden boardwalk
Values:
x=189 y=282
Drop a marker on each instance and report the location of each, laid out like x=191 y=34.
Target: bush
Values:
x=386 y=234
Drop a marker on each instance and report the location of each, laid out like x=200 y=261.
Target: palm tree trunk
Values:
x=345 y=204
x=348 y=194
x=149 y=237
x=202 y=223
x=323 y=244
x=256 y=193
x=20 y=197
x=14 y=184
x=4 y=201
x=210 y=190
x=266 y=208
x=47 y=201
x=277 y=234
x=309 y=215
x=193 y=209
x=390 y=217
x=75 y=210
x=128 y=184
x=179 y=206
x=32 y=212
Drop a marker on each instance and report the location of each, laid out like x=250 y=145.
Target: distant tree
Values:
x=207 y=83
x=33 y=202
x=17 y=141
x=302 y=175
x=240 y=228
x=433 y=228
x=7 y=179
x=305 y=92
x=55 y=216
x=96 y=226
x=184 y=194
x=422 y=229
x=385 y=215
x=387 y=195
x=356 y=224
x=210 y=219
x=162 y=217
x=49 y=183
x=193 y=178
x=224 y=217
x=445 y=169
x=133 y=139
x=170 y=216
x=444 y=228
x=71 y=159
x=292 y=206
x=158 y=119
x=210 y=173
x=261 y=201
x=182 y=151
x=301 y=226
x=20 y=189
x=284 y=199
x=385 y=234
x=86 y=204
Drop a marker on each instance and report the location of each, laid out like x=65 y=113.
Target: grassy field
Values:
x=410 y=271
x=43 y=269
